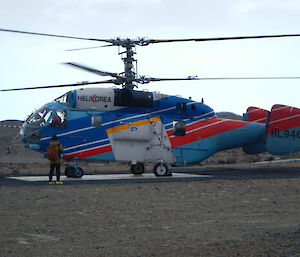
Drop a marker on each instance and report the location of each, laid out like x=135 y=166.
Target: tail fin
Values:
x=255 y=114
x=282 y=133
x=283 y=130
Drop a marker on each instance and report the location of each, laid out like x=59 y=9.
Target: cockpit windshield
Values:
x=39 y=117
x=44 y=115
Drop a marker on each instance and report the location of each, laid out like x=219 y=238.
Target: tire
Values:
x=137 y=169
x=70 y=172
x=161 y=169
x=79 y=173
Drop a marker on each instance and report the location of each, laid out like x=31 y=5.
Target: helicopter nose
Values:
x=30 y=135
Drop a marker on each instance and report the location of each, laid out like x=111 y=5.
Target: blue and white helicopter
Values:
x=127 y=125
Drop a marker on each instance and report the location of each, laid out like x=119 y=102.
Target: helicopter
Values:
x=124 y=124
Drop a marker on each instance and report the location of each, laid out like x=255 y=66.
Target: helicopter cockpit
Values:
x=44 y=116
x=39 y=117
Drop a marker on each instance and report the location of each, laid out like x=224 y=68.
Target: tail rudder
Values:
x=282 y=133
x=283 y=130
x=255 y=114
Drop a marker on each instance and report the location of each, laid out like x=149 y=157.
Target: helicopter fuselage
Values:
x=109 y=124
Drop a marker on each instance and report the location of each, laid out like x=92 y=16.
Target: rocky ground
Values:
x=203 y=218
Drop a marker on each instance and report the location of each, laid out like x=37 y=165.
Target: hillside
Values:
x=229 y=115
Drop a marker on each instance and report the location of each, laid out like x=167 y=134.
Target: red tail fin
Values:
x=283 y=117
x=283 y=134
x=255 y=114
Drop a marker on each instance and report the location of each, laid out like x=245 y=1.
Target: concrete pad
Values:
x=113 y=177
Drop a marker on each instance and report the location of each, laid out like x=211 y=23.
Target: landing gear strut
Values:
x=137 y=169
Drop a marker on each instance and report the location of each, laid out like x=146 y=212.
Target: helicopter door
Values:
x=159 y=149
x=143 y=141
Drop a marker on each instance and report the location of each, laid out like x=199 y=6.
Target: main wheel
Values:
x=70 y=171
x=161 y=169
x=137 y=169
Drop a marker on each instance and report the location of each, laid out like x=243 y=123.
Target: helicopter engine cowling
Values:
x=133 y=98
x=107 y=99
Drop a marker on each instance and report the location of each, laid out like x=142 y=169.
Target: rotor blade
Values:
x=147 y=80
x=220 y=38
x=86 y=48
x=89 y=69
x=54 y=35
x=57 y=86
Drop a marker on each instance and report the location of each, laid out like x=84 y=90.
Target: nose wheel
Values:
x=161 y=170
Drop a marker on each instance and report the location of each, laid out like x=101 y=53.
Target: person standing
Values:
x=54 y=153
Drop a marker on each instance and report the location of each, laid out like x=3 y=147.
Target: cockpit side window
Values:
x=58 y=119
x=67 y=98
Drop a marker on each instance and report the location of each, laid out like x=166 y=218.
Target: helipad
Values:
x=114 y=177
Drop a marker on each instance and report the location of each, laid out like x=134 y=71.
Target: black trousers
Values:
x=52 y=167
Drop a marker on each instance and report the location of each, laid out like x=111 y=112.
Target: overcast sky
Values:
x=36 y=61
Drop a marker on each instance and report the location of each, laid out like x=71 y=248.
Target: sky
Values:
x=28 y=60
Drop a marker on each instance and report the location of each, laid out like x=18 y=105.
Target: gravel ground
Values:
x=200 y=218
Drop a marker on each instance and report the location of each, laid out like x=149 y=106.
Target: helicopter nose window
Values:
x=58 y=119
x=38 y=118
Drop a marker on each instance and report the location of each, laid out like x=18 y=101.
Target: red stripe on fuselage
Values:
x=88 y=153
x=203 y=129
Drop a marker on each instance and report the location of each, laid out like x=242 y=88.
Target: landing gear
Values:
x=137 y=169
x=78 y=173
x=161 y=169
x=74 y=171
